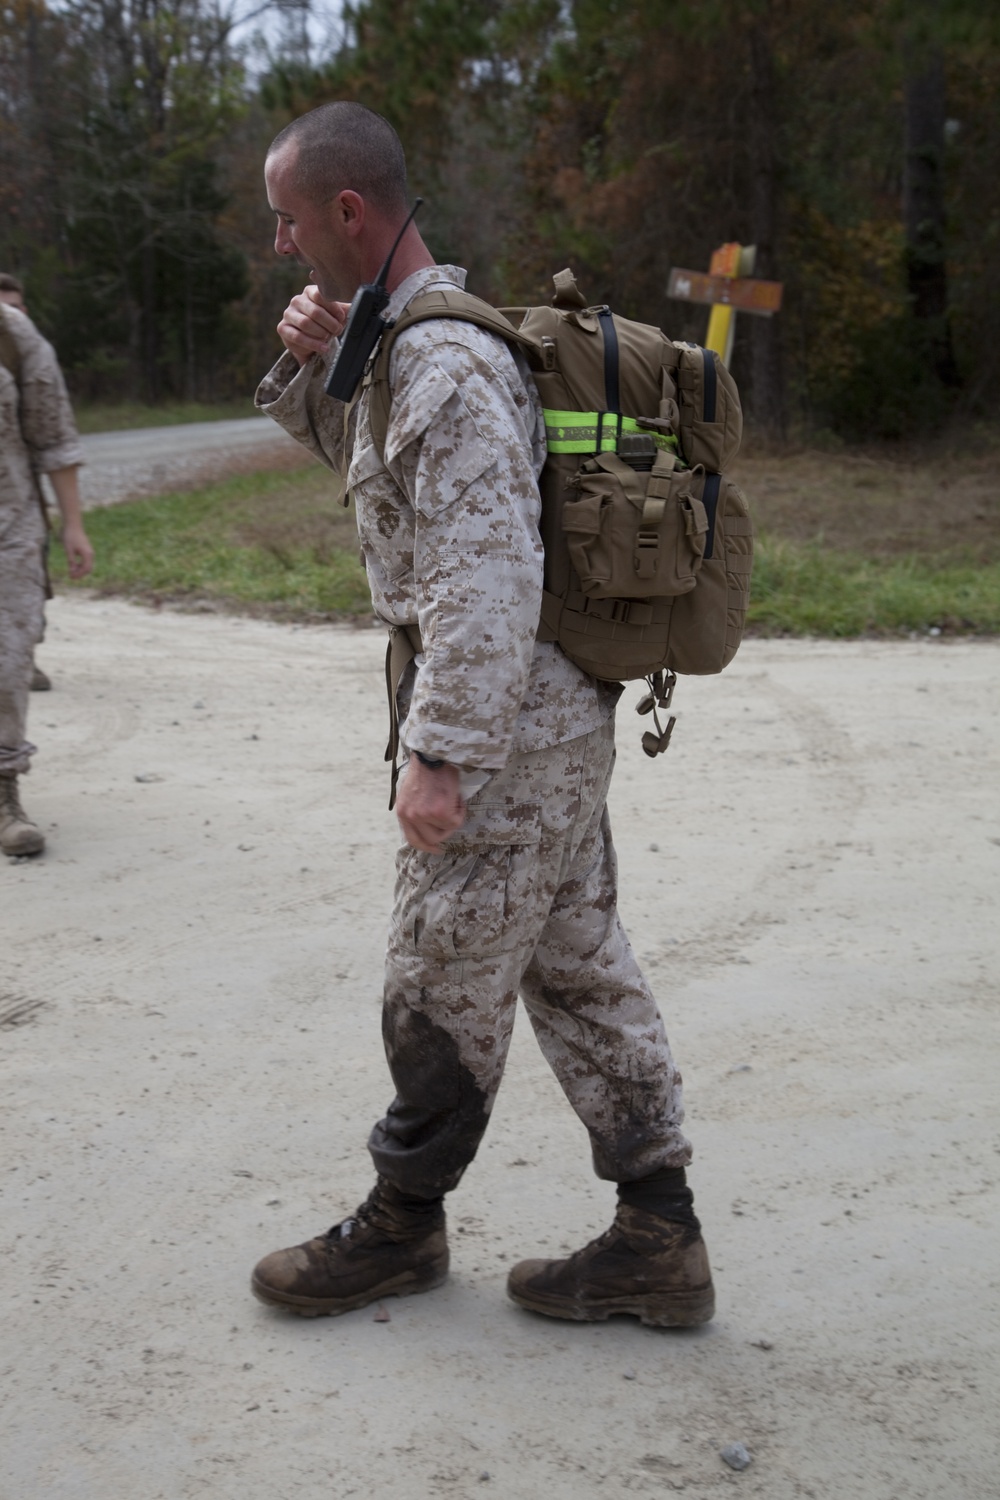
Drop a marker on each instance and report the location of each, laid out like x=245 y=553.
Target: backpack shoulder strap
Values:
x=10 y=353
x=450 y=303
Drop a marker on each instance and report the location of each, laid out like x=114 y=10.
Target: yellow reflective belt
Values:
x=594 y=432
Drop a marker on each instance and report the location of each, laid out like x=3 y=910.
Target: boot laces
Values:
x=600 y=1243
x=362 y=1217
x=10 y=801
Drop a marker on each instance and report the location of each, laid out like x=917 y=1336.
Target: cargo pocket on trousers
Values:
x=481 y=897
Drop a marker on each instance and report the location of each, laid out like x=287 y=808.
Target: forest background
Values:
x=857 y=146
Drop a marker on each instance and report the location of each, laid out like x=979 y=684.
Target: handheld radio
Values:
x=364 y=327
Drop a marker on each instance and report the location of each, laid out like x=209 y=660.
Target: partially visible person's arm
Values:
x=50 y=435
x=79 y=552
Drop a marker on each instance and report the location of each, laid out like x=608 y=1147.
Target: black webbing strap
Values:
x=710 y=500
x=612 y=394
x=708 y=405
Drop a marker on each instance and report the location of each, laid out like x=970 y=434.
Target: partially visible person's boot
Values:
x=18 y=834
x=392 y=1246
x=41 y=682
x=651 y=1267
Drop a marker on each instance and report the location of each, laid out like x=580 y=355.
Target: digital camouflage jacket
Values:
x=448 y=523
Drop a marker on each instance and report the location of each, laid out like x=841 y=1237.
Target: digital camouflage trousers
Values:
x=523 y=901
x=22 y=622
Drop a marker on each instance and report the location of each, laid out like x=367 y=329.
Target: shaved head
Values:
x=345 y=146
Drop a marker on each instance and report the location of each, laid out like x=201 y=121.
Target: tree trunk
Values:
x=767 y=386
x=923 y=208
x=150 y=329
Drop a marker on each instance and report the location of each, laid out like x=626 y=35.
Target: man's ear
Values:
x=349 y=208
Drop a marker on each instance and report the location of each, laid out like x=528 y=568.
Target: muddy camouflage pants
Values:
x=22 y=603
x=525 y=900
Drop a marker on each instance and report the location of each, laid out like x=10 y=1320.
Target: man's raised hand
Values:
x=310 y=322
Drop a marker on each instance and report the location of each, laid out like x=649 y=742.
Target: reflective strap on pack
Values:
x=595 y=431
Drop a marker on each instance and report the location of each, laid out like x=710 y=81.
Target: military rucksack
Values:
x=648 y=544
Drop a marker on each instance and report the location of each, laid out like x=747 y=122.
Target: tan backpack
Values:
x=648 y=545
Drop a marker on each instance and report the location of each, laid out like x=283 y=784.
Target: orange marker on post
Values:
x=729 y=289
x=730 y=261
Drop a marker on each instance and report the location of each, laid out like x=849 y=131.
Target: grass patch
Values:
x=804 y=589
x=275 y=544
x=117 y=416
x=846 y=547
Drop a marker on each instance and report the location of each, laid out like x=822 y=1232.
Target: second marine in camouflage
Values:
x=507 y=880
x=37 y=436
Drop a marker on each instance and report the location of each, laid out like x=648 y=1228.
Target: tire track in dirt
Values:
x=835 y=785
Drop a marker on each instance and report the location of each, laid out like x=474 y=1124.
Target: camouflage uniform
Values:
x=37 y=435
x=524 y=899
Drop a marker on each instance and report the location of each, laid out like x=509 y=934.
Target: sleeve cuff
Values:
x=284 y=387
x=65 y=456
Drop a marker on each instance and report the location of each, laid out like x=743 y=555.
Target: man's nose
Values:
x=282 y=240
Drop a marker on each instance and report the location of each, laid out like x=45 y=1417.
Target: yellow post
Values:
x=729 y=260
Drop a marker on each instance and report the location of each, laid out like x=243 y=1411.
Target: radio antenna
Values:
x=383 y=274
x=365 y=326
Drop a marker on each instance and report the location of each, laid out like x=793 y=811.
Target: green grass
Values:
x=278 y=544
x=282 y=545
x=115 y=416
x=802 y=589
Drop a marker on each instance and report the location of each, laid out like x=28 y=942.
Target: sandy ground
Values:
x=153 y=460
x=191 y=1062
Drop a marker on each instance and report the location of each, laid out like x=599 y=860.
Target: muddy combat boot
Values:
x=18 y=834
x=392 y=1246
x=645 y=1265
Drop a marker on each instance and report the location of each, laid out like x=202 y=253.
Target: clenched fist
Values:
x=310 y=322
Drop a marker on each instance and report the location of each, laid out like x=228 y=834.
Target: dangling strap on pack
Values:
x=660 y=695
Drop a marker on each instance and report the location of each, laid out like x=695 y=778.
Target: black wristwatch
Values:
x=428 y=761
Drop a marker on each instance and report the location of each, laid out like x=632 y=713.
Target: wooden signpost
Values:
x=728 y=288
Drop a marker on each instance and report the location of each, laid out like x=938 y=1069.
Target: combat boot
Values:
x=645 y=1265
x=392 y=1246
x=18 y=834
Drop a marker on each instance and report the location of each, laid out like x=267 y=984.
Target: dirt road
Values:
x=153 y=460
x=192 y=1061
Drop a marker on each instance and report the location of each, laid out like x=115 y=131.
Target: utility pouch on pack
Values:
x=633 y=534
x=648 y=544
